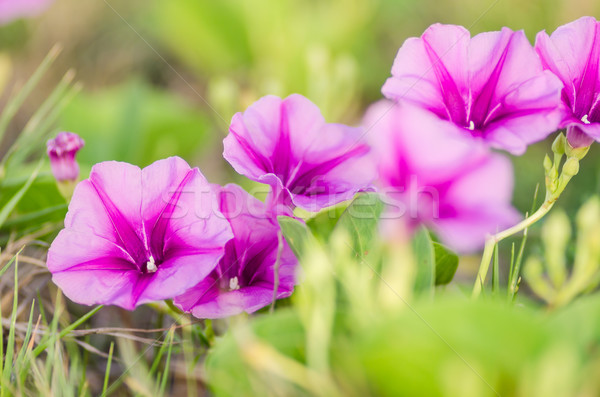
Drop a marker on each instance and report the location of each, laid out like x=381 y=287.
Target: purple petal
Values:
x=253 y=137
x=15 y=9
x=466 y=232
x=161 y=182
x=572 y=53
x=91 y=270
x=249 y=300
x=432 y=174
x=118 y=185
x=123 y=218
x=492 y=85
x=529 y=113
x=196 y=225
x=481 y=203
x=178 y=274
x=249 y=263
x=432 y=72
x=432 y=148
x=582 y=135
x=287 y=144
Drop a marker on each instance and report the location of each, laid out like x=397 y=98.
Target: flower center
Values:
x=585 y=119
x=471 y=125
x=151 y=265
x=234 y=284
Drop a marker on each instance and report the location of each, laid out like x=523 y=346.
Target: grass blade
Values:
x=496 y=273
x=44 y=129
x=514 y=277
x=32 y=130
x=165 y=375
x=107 y=373
x=42 y=346
x=12 y=203
x=10 y=262
x=15 y=103
x=10 y=343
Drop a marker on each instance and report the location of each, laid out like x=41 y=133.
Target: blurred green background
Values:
x=163 y=78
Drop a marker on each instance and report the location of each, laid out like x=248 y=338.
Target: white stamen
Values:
x=233 y=284
x=471 y=125
x=585 y=119
x=150 y=265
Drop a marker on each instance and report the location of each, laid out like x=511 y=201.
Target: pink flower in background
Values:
x=62 y=151
x=492 y=85
x=245 y=278
x=572 y=53
x=432 y=174
x=134 y=236
x=286 y=144
x=15 y=9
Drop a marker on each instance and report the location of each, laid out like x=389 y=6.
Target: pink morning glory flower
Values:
x=244 y=280
x=286 y=144
x=492 y=85
x=432 y=174
x=135 y=235
x=15 y=9
x=572 y=53
x=62 y=151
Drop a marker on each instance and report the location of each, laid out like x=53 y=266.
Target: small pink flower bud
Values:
x=62 y=151
x=577 y=138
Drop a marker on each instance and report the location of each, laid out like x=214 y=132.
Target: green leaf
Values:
x=446 y=263
x=295 y=233
x=323 y=224
x=360 y=220
x=12 y=203
x=425 y=261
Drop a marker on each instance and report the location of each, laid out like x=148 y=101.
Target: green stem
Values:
x=492 y=240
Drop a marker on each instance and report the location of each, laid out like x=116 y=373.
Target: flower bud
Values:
x=571 y=167
x=558 y=146
x=61 y=151
x=547 y=164
x=576 y=138
x=577 y=153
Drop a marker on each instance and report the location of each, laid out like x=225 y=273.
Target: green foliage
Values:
x=448 y=347
x=446 y=263
x=295 y=234
x=138 y=124
x=360 y=221
x=12 y=203
x=256 y=45
x=549 y=276
x=322 y=224
x=424 y=261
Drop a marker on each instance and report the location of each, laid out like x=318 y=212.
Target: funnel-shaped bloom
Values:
x=134 y=236
x=431 y=174
x=492 y=85
x=572 y=53
x=244 y=280
x=287 y=144
x=62 y=151
x=15 y=9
